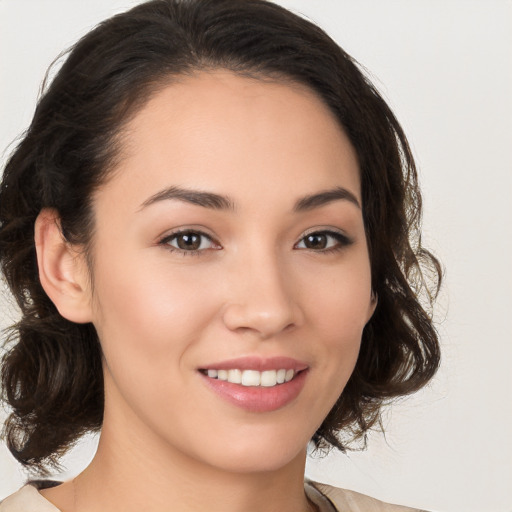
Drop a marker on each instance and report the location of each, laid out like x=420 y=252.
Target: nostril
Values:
x=264 y=320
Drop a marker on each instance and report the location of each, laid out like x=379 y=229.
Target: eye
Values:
x=189 y=241
x=323 y=241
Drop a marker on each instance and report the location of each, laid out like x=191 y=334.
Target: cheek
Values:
x=148 y=324
x=142 y=314
x=341 y=301
x=339 y=311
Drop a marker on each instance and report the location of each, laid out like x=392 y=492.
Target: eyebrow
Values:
x=197 y=197
x=322 y=198
x=220 y=202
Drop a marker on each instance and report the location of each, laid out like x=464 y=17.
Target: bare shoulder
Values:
x=351 y=501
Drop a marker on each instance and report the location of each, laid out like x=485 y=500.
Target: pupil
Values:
x=189 y=241
x=316 y=241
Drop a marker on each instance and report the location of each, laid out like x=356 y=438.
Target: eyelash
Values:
x=342 y=241
x=197 y=252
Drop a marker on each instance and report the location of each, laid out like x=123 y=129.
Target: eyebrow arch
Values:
x=220 y=202
x=197 y=197
x=322 y=198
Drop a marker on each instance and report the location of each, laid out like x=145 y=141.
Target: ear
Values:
x=63 y=269
x=374 y=299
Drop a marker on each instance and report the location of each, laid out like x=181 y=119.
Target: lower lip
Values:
x=258 y=398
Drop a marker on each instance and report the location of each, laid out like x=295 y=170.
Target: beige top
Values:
x=326 y=497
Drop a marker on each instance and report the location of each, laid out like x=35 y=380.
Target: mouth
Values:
x=252 y=378
x=255 y=384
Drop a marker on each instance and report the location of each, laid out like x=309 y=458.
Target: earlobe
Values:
x=62 y=269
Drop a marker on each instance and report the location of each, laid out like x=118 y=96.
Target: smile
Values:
x=252 y=378
x=254 y=383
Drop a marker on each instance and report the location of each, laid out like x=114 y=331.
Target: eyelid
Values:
x=169 y=235
x=342 y=238
x=325 y=229
x=192 y=228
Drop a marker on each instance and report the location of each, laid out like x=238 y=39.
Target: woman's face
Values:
x=230 y=237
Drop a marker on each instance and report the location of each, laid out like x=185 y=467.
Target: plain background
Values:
x=445 y=66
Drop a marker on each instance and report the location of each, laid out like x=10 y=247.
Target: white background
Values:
x=446 y=69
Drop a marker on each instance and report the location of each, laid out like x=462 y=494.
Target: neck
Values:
x=133 y=473
x=126 y=481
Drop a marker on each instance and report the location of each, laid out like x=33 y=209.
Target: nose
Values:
x=261 y=298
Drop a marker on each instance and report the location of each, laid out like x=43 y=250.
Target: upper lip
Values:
x=257 y=363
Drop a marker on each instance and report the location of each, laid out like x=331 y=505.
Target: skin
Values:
x=253 y=288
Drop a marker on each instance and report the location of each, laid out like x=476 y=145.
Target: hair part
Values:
x=52 y=374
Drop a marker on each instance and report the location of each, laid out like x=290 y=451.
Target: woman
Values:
x=211 y=228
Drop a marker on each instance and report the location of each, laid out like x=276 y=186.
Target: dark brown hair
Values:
x=52 y=371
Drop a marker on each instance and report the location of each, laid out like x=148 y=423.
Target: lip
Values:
x=257 y=363
x=257 y=399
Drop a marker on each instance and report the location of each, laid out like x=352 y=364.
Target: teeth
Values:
x=267 y=378
x=235 y=376
x=251 y=378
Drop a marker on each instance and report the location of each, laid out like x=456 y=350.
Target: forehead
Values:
x=233 y=134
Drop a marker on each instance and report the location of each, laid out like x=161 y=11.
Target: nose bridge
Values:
x=260 y=293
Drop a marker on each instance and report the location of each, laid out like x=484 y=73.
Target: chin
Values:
x=259 y=455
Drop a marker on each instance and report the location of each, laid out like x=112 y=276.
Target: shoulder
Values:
x=351 y=501
x=27 y=499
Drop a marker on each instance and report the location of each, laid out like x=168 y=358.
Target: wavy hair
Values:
x=52 y=370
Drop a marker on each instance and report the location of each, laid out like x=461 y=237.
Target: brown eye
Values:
x=316 y=241
x=189 y=241
x=323 y=241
